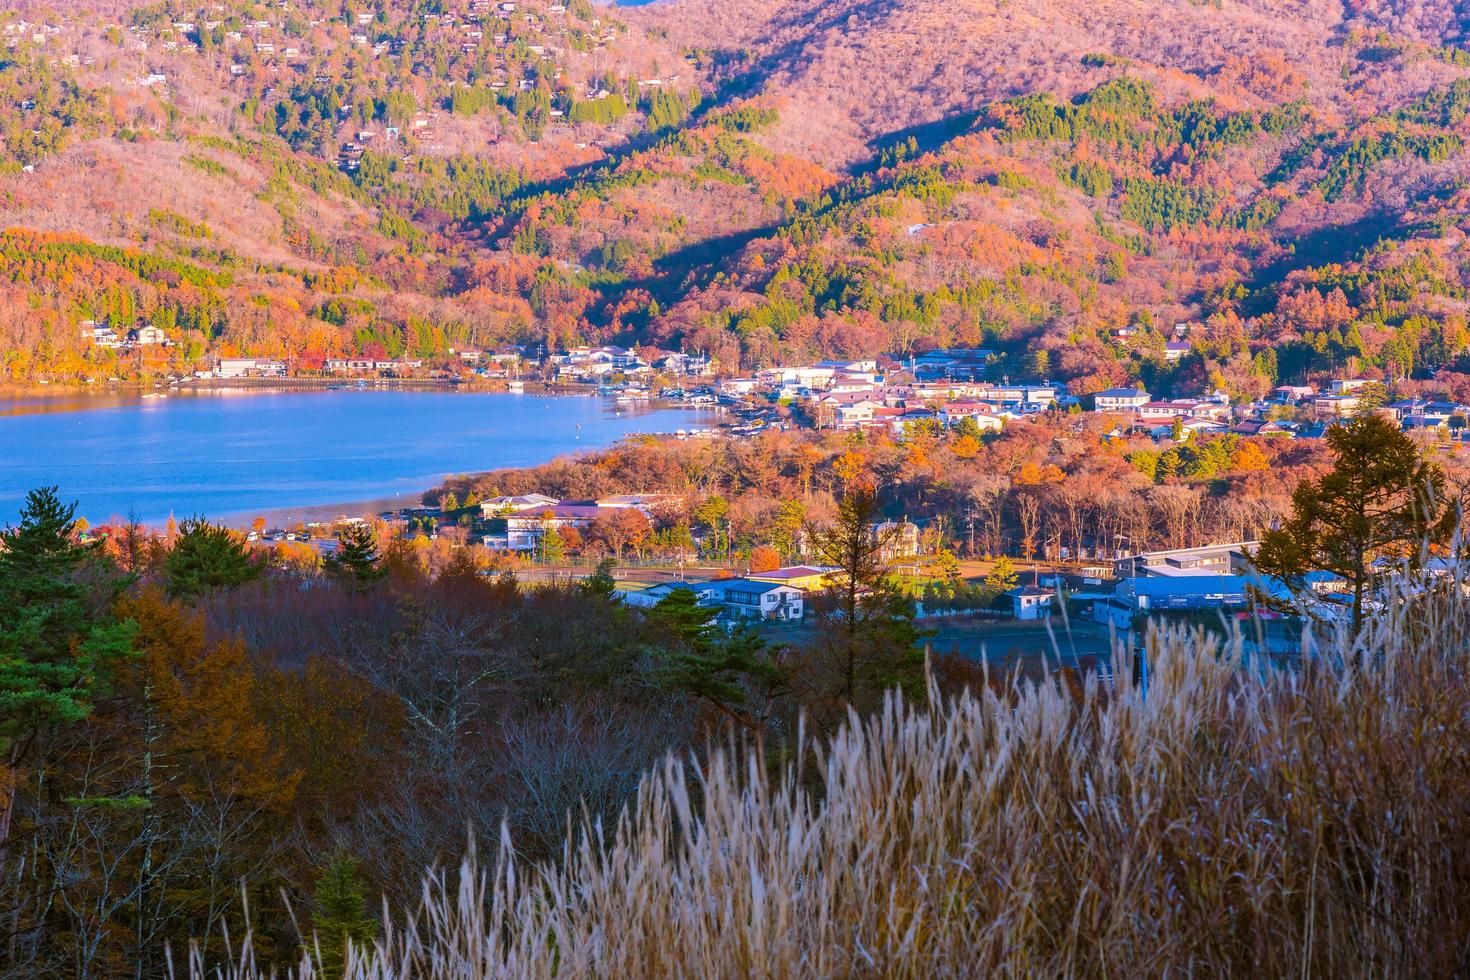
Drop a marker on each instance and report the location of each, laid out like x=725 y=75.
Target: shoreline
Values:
x=475 y=385
x=287 y=517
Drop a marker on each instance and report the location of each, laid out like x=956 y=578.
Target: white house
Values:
x=339 y=365
x=855 y=414
x=1336 y=404
x=1031 y=602
x=1023 y=398
x=1188 y=408
x=101 y=336
x=952 y=413
x=148 y=335
x=1120 y=400
x=740 y=598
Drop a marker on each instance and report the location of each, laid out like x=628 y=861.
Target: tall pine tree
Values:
x=58 y=633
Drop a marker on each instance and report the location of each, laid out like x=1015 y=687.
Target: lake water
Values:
x=230 y=455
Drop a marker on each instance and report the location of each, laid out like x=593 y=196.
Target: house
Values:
x=1417 y=413
x=1163 y=428
x=522 y=530
x=1206 y=591
x=1213 y=559
x=645 y=502
x=1346 y=386
x=951 y=414
x=349 y=365
x=1217 y=576
x=1261 y=427
x=897 y=539
x=736 y=387
x=901 y=419
x=250 y=367
x=1031 y=602
x=1020 y=398
x=1120 y=400
x=852 y=372
x=100 y=336
x=742 y=598
x=502 y=506
x=1187 y=408
x=397 y=367
x=855 y=414
x=1335 y=405
x=1292 y=394
x=808 y=377
x=969 y=363
x=677 y=362
x=148 y=335
x=1175 y=351
x=807 y=578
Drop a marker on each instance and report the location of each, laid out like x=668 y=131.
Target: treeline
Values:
x=1043 y=489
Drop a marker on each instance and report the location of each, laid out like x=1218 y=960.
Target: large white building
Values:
x=250 y=367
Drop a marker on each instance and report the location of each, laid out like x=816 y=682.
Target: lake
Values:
x=232 y=454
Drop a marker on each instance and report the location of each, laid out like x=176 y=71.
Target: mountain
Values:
x=1061 y=182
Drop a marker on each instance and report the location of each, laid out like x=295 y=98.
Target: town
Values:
x=947 y=388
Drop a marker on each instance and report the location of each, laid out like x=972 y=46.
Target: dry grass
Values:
x=1234 y=821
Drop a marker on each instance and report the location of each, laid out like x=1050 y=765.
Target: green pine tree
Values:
x=1382 y=499
x=601 y=582
x=553 y=548
x=58 y=636
x=207 y=558
x=685 y=620
x=948 y=565
x=340 y=915
x=357 y=555
x=1002 y=575
x=867 y=639
x=737 y=674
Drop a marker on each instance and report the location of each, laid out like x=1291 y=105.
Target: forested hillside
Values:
x=1060 y=182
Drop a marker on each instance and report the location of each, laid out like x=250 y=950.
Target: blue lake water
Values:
x=234 y=454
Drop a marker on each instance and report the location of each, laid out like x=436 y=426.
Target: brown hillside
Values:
x=856 y=71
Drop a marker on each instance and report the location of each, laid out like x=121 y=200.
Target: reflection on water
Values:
x=46 y=404
x=223 y=452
